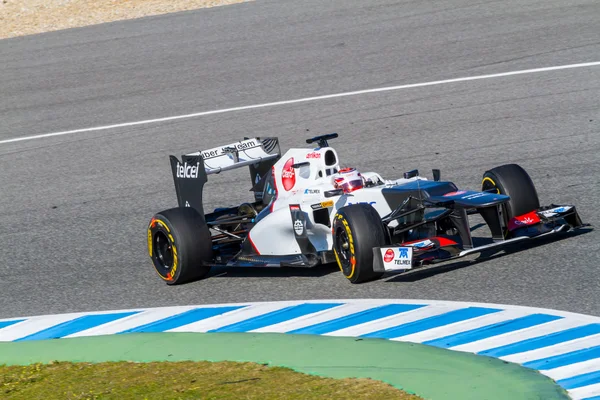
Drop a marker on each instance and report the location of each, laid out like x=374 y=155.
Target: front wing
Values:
x=547 y=221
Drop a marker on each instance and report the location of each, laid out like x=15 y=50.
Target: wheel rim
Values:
x=489 y=184
x=342 y=248
x=163 y=251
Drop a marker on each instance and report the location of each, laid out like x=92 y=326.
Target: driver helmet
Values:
x=348 y=179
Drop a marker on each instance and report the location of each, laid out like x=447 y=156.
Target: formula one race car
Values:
x=308 y=211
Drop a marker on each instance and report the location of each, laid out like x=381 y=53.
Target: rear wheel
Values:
x=512 y=180
x=356 y=230
x=179 y=243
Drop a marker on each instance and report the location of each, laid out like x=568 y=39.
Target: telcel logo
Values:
x=187 y=171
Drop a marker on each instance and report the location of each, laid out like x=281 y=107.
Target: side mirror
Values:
x=411 y=174
x=335 y=192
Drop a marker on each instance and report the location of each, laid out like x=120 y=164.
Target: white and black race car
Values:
x=308 y=211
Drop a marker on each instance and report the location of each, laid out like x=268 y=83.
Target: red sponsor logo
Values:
x=313 y=155
x=389 y=255
x=288 y=175
x=523 y=220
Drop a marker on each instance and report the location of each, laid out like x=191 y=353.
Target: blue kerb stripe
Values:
x=431 y=322
x=543 y=341
x=592 y=398
x=574 y=382
x=565 y=359
x=492 y=330
x=357 y=318
x=75 y=325
x=276 y=317
x=4 y=324
x=184 y=318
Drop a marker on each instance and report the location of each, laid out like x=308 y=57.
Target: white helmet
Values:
x=348 y=179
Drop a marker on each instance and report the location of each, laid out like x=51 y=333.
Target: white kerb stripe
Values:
x=513 y=337
x=132 y=321
x=33 y=325
x=462 y=326
x=571 y=370
x=316 y=318
x=393 y=320
x=584 y=391
x=231 y=317
x=557 y=349
x=305 y=99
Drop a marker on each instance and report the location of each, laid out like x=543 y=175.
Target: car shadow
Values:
x=411 y=276
x=272 y=272
x=492 y=254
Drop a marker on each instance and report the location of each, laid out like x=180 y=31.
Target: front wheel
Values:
x=513 y=181
x=179 y=244
x=357 y=229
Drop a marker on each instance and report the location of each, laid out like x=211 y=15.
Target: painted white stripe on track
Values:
x=462 y=326
x=391 y=321
x=584 y=391
x=232 y=317
x=304 y=100
x=571 y=370
x=555 y=350
x=316 y=318
x=33 y=325
x=514 y=337
x=132 y=321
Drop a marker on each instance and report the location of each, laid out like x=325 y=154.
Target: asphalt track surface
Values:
x=74 y=208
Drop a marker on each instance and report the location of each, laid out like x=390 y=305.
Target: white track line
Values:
x=305 y=99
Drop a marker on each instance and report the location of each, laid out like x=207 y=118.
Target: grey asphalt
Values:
x=74 y=208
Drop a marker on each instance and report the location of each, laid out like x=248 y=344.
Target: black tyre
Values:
x=356 y=230
x=179 y=242
x=513 y=181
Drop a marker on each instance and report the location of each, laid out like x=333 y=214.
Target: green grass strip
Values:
x=426 y=371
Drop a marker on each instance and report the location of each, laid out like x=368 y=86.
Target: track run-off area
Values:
x=89 y=116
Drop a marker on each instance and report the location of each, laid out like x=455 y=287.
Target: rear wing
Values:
x=191 y=173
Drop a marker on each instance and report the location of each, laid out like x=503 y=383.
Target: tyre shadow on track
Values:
x=431 y=270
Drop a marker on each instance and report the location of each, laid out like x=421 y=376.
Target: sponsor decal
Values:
x=294 y=207
x=422 y=244
x=555 y=211
x=474 y=196
x=288 y=175
x=219 y=151
x=171 y=274
x=211 y=153
x=312 y=191
x=187 y=171
x=455 y=193
x=523 y=220
x=363 y=202
x=298 y=227
x=399 y=258
x=323 y=204
x=389 y=255
x=313 y=155
x=150 y=249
